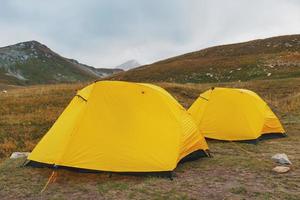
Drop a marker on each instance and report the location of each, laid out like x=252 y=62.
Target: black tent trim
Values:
x=165 y=174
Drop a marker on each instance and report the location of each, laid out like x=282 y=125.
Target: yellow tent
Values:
x=234 y=114
x=120 y=127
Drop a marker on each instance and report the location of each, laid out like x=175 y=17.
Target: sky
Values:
x=106 y=33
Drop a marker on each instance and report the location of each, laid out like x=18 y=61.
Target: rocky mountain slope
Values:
x=276 y=57
x=34 y=63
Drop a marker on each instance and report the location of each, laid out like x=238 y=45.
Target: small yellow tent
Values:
x=234 y=114
x=120 y=127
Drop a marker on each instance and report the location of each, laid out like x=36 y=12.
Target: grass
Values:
x=27 y=113
x=112 y=185
x=238 y=190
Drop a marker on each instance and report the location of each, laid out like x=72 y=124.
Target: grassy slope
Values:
x=27 y=113
x=278 y=56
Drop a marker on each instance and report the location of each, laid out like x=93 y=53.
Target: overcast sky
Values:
x=105 y=33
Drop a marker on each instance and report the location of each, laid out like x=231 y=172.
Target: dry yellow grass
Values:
x=283 y=94
x=27 y=113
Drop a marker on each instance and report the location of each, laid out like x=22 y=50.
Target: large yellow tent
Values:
x=120 y=127
x=234 y=114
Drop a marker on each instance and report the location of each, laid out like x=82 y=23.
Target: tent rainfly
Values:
x=234 y=115
x=121 y=127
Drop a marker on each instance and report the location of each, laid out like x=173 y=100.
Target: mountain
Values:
x=130 y=64
x=34 y=63
x=100 y=72
x=271 y=58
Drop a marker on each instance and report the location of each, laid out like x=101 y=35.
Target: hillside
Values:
x=271 y=58
x=34 y=63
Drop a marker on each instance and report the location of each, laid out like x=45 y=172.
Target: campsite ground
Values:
x=237 y=170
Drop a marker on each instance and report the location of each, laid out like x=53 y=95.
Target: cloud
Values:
x=108 y=32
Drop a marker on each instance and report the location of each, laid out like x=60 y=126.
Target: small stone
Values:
x=269 y=74
x=15 y=155
x=281 y=158
x=287 y=44
x=281 y=169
